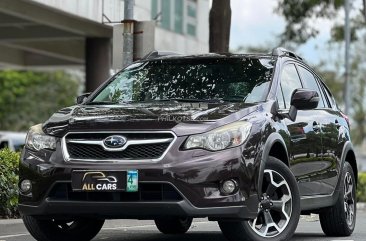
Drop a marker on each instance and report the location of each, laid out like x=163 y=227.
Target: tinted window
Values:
x=309 y=82
x=290 y=81
x=229 y=79
x=328 y=95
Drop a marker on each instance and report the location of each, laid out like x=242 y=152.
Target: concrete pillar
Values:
x=97 y=62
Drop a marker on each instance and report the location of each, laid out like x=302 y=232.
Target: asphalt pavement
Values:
x=201 y=230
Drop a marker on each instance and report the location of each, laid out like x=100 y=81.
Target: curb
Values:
x=10 y=221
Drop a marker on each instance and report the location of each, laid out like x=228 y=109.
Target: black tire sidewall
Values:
x=45 y=229
x=347 y=168
x=173 y=225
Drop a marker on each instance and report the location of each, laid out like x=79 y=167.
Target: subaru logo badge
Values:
x=115 y=141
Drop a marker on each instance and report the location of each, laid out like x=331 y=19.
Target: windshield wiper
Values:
x=191 y=100
x=101 y=103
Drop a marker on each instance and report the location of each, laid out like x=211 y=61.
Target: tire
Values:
x=337 y=220
x=173 y=225
x=279 y=206
x=61 y=230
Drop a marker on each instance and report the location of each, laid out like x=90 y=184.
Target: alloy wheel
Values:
x=275 y=207
x=349 y=201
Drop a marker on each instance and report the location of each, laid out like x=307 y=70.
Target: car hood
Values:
x=182 y=118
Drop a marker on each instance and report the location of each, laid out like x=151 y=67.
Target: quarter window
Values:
x=290 y=81
x=310 y=83
x=328 y=95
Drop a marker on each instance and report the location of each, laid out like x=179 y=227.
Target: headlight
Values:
x=37 y=140
x=221 y=138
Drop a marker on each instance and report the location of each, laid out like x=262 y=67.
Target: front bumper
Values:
x=195 y=175
x=133 y=210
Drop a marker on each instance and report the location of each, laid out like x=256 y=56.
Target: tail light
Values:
x=346 y=118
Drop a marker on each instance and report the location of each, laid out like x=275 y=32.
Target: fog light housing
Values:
x=229 y=186
x=26 y=186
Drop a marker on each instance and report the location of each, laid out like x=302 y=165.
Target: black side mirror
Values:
x=81 y=98
x=301 y=99
x=305 y=99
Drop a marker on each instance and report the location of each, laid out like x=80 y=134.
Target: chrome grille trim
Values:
x=128 y=143
x=67 y=157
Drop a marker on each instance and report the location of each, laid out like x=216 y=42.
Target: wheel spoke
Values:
x=268 y=218
x=277 y=205
x=254 y=223
x=271 y=189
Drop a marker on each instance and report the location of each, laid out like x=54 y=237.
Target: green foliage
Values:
x=300 y=24
x=9 y=162
x=361 y=187
x=28 y=98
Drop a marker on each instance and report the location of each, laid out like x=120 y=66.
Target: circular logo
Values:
x=115 y=141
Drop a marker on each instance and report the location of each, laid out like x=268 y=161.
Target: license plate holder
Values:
x=99 y=181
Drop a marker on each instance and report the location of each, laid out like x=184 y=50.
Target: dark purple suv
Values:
x=250 y=141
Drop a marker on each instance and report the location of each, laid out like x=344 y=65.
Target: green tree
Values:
x=28 y=98
x=300 y=17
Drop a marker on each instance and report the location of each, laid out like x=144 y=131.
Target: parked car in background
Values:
x=12 y=140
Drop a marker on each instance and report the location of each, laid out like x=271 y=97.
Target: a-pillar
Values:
x=97 y=62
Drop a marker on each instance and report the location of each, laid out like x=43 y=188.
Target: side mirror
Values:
x=305 y=99
x=301 y=99
x=81 y=98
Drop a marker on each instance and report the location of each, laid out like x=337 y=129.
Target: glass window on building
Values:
x=191 y=10
x=191 y=29
x=191 y=21
x=165 y=14
x=154 y=9
x=179 y=16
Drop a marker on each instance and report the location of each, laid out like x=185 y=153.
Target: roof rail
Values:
x=285 y=52
x=156 y=54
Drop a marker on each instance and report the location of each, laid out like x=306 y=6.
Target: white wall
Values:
x=164 y=39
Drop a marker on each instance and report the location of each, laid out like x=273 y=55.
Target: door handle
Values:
x=316 y=127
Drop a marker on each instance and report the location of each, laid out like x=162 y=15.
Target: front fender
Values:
x=272 y=139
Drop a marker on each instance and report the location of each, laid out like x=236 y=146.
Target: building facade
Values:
x=76 y=34
x=182 y=25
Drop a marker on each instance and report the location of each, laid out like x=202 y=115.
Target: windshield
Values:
x=201 y=79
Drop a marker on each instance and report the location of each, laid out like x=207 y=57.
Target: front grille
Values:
x=148 y=192
x=133 y=152
x=89 y=146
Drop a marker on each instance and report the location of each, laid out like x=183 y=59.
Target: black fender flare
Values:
x=272 y=139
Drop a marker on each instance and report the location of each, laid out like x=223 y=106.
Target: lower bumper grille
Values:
x=148 y=192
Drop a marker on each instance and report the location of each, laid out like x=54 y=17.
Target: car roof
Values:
x=169 y=56
x=276 y=53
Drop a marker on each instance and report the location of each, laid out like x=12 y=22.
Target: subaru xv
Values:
x=250 y=141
